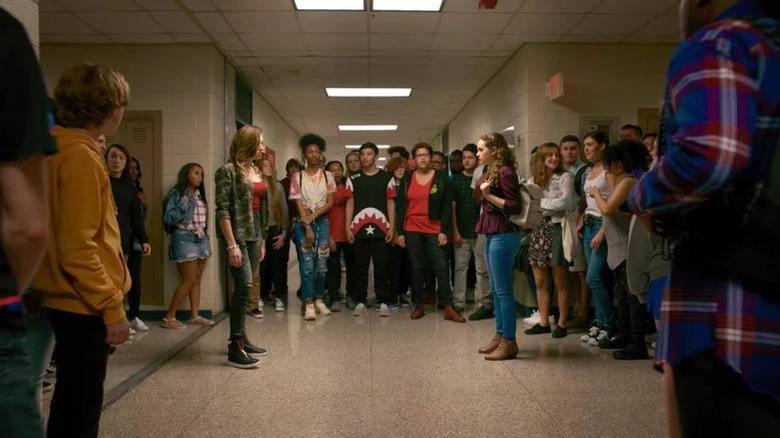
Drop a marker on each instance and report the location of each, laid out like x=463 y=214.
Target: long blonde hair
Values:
x=539 y=169
x=503 y=156
x=270 y=183
x=243 y=148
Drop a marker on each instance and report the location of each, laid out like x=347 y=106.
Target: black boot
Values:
x=252 y=349
x=615 y=342
x=237 y=357
x=636 y=349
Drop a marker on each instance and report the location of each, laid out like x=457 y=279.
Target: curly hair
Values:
x=395 y=164
x=502 y=156
x=539 y=169
x=308 y=139
x=87 y=94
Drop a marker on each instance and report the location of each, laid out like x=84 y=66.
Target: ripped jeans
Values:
x=312 y=258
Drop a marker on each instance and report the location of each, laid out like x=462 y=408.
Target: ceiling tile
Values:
x=158 y=5
x=304 y=54
x=121 y=22
x=238 y=53
x=199 y=5
x=592 y=38
x=401 y=42
x=559 y=6
x=74 y=39
x=634 y=6
x=192 y=38
x=543 y=24
x=333 y=22
x=274 y=41
x=262 y=22
x=213 y=22
x=255 y=5
x=463 y=42
x=653 y=39
x=404 y=22
x=473 y=6
x=62 y=23
x=229 y=41
x=661 y=25
x=135 y=38
x=610 y=24
x=473 y=23
x=514 y=41
x=48 y=6
x=337 y=41
x=100 y=6
x=176 y=22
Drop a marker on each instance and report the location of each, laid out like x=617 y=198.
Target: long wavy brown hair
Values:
x=502 y=155
x=243 y=148
x=270 y=184
x=539 y=169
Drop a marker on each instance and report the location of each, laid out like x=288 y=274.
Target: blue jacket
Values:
x=179 y=210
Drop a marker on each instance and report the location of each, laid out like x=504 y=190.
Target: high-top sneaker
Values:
x=237 y=357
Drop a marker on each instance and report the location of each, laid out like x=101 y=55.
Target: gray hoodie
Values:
x=645 y=261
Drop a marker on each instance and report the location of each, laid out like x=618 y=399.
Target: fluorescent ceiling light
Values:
x=368 y=92
x=407 y=5
x=368 y=127
x=381 y=158
x=357 y=146
x=329 y=5
x=511 y=128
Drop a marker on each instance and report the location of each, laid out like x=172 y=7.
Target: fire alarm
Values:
x=488 y=4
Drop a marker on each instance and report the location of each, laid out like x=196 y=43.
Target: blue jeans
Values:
x=19 y=415
x=500 y=251
x=40 y=344
x=598 y=271
x=312 y=257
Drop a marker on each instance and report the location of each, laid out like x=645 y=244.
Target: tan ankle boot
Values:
x=491 y=346
x=506 y=350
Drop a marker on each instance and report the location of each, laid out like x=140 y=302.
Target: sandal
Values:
x=172 y=324
x=199 y=320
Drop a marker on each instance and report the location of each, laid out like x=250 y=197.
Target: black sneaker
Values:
x=238 y=358
x=559 y=332
x=538 y=330
x=481 y=313
x=254 y=350
x=256 y=313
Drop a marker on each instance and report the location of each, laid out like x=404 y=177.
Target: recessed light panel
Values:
x=368 y=127
x=368 y=92
x=357 y=146
x=407 y=5
x=329 y=5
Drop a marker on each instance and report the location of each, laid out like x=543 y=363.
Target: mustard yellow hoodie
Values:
x=83 y=270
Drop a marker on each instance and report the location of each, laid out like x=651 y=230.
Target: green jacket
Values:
x=439 y=201
x=234 y=202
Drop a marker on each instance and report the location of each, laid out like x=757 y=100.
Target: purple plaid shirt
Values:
x=722 y=119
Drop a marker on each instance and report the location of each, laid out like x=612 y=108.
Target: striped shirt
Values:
x=722 y=121
x=198 y=221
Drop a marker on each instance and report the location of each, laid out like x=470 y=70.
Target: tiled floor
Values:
x=346 y=376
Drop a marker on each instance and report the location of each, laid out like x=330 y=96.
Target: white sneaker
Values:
x=535 y=318
x=592 y=333
x=279 y=305
x=132 y=331
x=138 y=325
x=321 y=307
x=360 y=309
x=310 y=314
x=601 y=337
x=384 y=310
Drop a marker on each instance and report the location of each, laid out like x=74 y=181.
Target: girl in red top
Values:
x=425 y=214
x=338 y=241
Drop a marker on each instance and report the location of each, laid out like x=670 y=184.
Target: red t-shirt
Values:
x=336 y=215
x=259 y=192
x=417 y=208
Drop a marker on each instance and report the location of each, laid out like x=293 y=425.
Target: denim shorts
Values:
x=186 y=246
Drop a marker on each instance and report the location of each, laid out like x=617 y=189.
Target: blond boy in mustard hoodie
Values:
x=83 y=276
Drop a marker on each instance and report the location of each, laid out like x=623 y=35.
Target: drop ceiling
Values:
x=291 y=56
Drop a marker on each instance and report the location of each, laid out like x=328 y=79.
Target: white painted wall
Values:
x=186 y=83
x=279 y=135
x=601 y=80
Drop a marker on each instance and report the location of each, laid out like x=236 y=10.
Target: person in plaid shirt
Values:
x=720 y=340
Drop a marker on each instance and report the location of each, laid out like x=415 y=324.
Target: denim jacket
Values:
x=234 y=202
x=179 y=210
